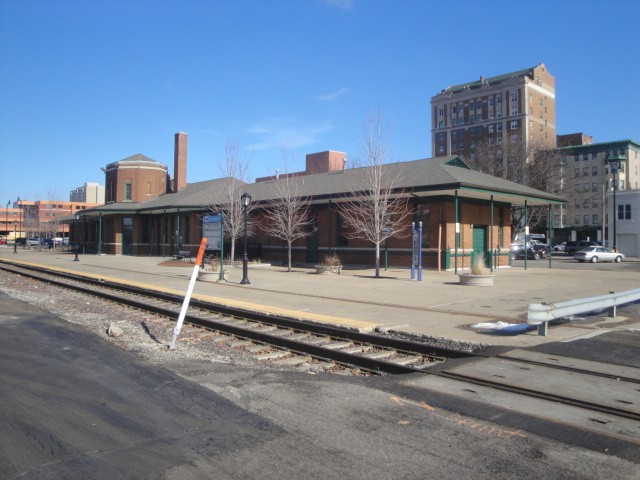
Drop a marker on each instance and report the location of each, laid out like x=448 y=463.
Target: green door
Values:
x=479 y=241
x=127 y=235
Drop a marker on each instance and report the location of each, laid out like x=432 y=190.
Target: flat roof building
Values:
x=490 y=113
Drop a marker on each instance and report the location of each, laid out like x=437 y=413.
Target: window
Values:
x=480 y=129
x=594 y=187
x=454 y=134
x=440 y=112
x=441 y=149
x=514 y=125
x=454 y=122
x=479 y=143
x=498 y=127
x=576 y=158
x=498 y=99
x=490 y=128
x=585 y=187
x=499 y=140
x=585 y=171
x=127 y=192
x=530 y=98
x=499 y=153
x=460 y=110
x=479 y=105
x=454 y=147
x=491 y=102
x=498 y=114
x=472 y=131
x=624 y=212
x=514 y=110
x=461 y=133
x=585 y=218
x=514 y=138
x=441 y=136
x=490 y=140
x=594 y=170
x=472 y=119
x=514 y=97
x=472 y=144
x=461 y=146
x=595 y=219
x=577 y=220
x=585 y=156
x=490 y=115
x=473 y=157
x=472 y=105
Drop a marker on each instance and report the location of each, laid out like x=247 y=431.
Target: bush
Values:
x=331 y=260
x=478 y=267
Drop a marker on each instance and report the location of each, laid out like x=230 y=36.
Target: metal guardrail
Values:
x=541 y=313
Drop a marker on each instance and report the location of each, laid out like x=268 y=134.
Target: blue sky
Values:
x=87 y=82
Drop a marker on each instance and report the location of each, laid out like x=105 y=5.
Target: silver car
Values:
x=598 y=254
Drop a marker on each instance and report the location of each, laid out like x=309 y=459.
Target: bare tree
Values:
x=287 y=217
x=531 y=164
x=374 y=211
x=234 y=170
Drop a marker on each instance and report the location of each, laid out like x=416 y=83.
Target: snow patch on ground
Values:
x=503 y=328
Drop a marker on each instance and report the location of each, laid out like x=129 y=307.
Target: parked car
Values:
x=3 y=241
x=21 y=241
x=32 y=241
x=572 y=247
x=535 y=250
x=598 y=254
x=559 y=247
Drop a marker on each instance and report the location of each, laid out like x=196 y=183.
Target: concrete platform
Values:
x=436 y=307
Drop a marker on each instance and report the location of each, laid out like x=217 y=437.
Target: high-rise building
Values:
x=491 y=113
x=584 y=177
x=90 y=192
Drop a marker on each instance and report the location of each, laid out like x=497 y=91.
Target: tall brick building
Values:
x=490 y=112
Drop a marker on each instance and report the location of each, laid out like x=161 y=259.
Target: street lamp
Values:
x=245 y=199
x=20 y=211
x=615 y=162
x=15 y=240
x=6 y=219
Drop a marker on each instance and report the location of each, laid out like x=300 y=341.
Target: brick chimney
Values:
x=180 y=162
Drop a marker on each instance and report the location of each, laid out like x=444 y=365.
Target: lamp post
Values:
x=245 y=199
x=6 y=219
x=615 y=162
x=20 y=211
x=15 y=240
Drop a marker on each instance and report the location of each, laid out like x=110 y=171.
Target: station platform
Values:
x=436 y=307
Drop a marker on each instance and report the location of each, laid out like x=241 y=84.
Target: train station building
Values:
x=463 y=212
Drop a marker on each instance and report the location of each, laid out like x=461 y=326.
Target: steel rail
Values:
x=542 y=395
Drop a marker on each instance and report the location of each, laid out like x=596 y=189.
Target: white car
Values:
x=598 y=254
x=559 y=247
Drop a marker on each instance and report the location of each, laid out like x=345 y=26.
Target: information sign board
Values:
x=212 y=231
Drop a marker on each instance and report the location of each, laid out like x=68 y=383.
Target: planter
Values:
x=476 y=280
x=326 y=269
x=209 y=276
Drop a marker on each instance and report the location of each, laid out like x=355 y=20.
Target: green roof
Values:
x=440 y=176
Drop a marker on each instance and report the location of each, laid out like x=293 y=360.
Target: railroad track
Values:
x=272 y=337
x=288 y=341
